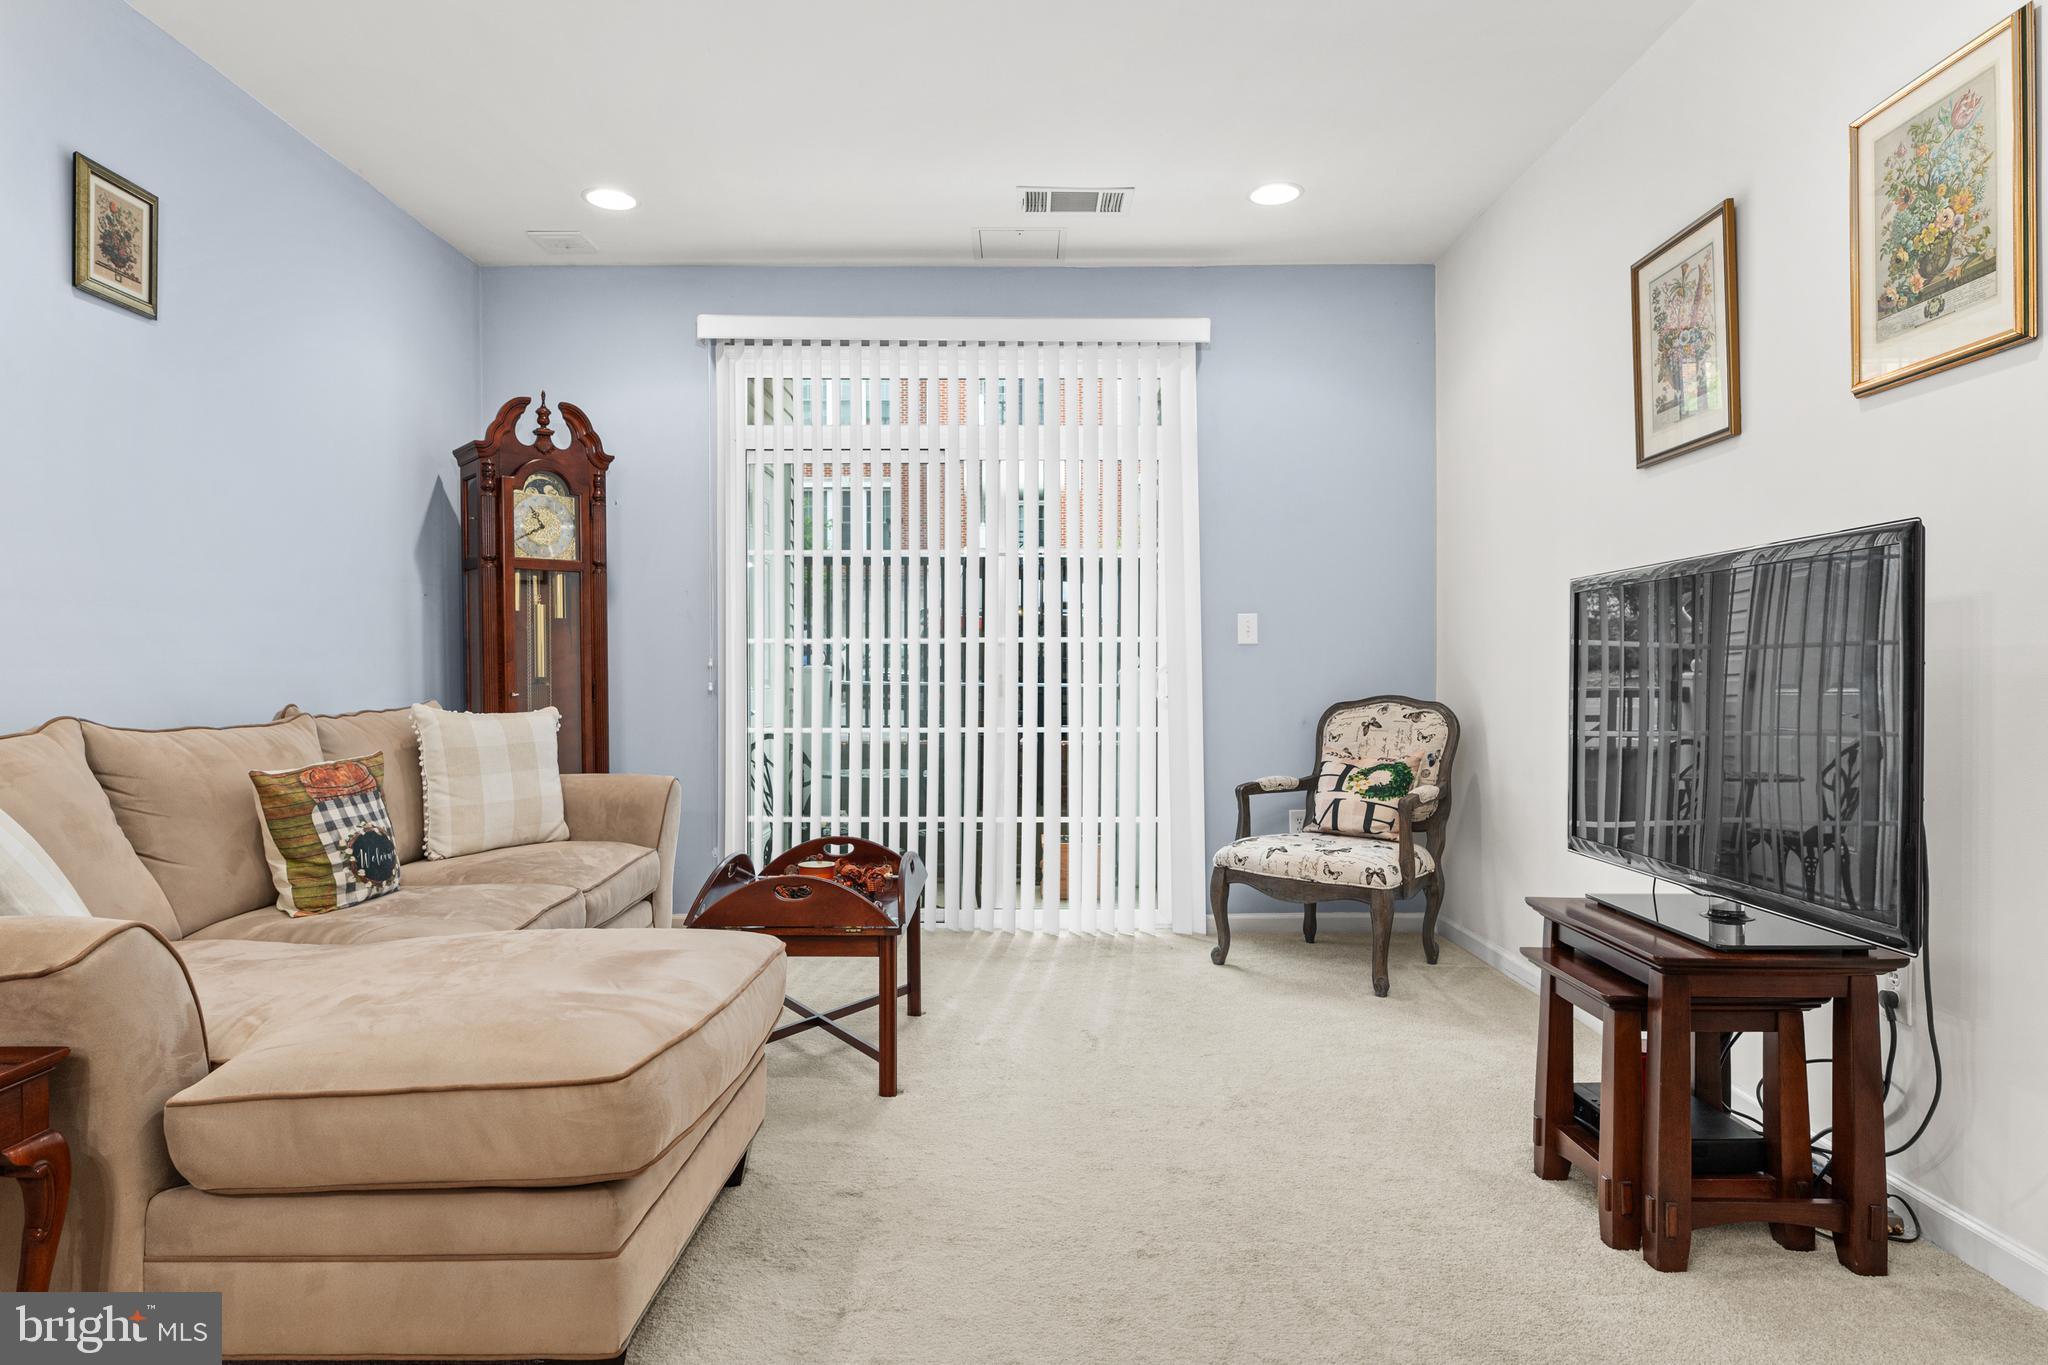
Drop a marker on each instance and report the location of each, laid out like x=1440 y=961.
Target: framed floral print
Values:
x=113 y=237
x=1688 y=365
x=1942 y=203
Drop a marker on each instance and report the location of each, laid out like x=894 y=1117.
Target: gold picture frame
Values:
x=1943 y=202
x=1685 y=338
x=113 y=236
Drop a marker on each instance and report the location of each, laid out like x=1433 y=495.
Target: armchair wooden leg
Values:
x=1433 y=901
x=1219 y=908
x=1308 y=921
x=1382 y=935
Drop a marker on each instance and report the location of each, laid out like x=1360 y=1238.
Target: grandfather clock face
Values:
x=544 y=518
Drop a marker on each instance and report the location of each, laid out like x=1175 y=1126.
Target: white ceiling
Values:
x=853 y=132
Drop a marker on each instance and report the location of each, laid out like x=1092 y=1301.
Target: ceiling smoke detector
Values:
x=563 y=243
x=1046 y=199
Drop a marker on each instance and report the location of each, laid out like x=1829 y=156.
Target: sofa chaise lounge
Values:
x=446 y=1123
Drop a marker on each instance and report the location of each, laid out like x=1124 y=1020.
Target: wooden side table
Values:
x=817 y=917
x=1693 y=989
x=35 y=1156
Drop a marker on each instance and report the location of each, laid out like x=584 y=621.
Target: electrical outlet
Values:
x=1294 y=819
x=1900 y=981
x=1247 y=627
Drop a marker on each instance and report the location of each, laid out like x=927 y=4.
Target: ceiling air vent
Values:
x=563 y=243
x=1045 y=199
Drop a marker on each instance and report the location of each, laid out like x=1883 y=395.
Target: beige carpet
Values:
x=1108 y=1149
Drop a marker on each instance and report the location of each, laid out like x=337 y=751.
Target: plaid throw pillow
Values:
x=489 y=781
x=327 y=834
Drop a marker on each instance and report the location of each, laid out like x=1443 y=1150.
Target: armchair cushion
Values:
x=1332 y=859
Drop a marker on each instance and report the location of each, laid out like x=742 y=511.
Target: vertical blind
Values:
x=961 y=615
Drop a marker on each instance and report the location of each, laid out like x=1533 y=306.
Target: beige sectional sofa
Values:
x=393 y=1131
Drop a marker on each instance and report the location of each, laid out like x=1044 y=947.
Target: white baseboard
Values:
x=1977 y=1244
x=1967 y=1238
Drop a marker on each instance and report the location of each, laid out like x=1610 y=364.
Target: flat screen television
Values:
x=1748 y=725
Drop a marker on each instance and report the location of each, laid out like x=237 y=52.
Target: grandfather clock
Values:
x=533 y=581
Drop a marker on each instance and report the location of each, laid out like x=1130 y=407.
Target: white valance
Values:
x=748 y=327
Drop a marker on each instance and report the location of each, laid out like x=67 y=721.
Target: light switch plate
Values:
x=1247 y=627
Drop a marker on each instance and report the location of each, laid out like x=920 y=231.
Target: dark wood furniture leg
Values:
x=1621 y=1127
x=1710 y=1079
x=35 y=1156
x=1432 y=901
x=887 y=959
x=1219 y=909
x=1857 y=1171
x=1382 y=937
x=916 y=988
x=739 y=1173
x=1553 y=1077
x=1788 y=1132
x=41 y=1163
x=1667 y=1140
x=1308 y=921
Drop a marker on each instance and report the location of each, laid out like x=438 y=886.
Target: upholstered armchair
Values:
x=1375 y=806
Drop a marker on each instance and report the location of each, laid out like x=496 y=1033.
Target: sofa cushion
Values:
x=612 y=877
x=640 y=916
x=49 y=789
x=30 y=883
x=546 y=1058
x=390 y=733
x=188 y=1224
x=183 y=799
x=412 y=912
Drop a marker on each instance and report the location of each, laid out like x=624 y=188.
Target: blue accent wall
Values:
x=247 y=501
x=1317 y=434
x=243 y=502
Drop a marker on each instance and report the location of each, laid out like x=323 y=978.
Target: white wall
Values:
x=1536 y=483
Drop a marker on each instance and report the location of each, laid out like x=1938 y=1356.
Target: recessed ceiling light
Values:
x=1278 y=193
x=619 y=201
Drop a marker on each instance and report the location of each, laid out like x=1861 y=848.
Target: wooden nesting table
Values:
x=1691 y=998
x=36 y=1156
x=815 y=916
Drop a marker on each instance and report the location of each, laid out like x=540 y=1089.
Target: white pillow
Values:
x=489 y=781
x=30 y=884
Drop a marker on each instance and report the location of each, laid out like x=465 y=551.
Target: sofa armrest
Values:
x=629 y=808
x=116 y=994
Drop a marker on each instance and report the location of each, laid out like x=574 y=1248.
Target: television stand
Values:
x=1725 y=924
x=1691 y=998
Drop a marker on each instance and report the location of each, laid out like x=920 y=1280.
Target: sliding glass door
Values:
x=959 y=595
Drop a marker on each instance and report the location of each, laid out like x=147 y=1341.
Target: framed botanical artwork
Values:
x=1942 y=249
x=113 y=236
x=1683 y=330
